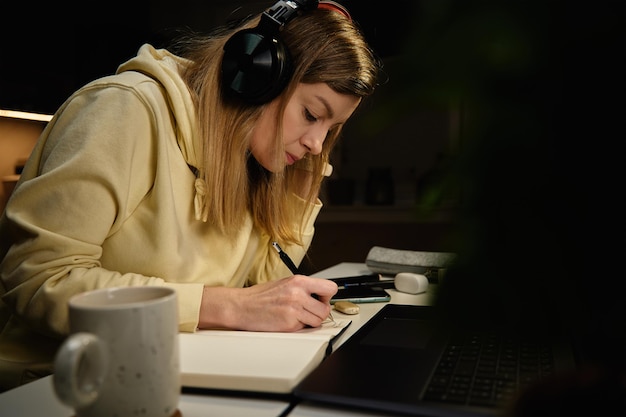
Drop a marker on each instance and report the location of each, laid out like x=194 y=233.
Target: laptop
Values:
x=406 y=361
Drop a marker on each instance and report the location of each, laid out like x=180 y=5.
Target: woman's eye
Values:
x=309 y=116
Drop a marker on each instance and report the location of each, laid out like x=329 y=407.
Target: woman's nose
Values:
x=314 y=140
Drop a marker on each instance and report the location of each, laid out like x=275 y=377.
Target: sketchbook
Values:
x=271 y=362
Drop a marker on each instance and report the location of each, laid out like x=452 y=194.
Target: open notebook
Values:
x=269 y=362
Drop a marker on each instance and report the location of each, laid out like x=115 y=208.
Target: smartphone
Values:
x=361 y=294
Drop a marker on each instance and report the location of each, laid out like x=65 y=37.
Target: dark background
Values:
x=51 y=49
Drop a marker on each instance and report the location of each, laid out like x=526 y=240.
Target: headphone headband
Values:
x=334 y=6
x=285 y=10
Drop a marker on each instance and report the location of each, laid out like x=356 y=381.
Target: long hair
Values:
x=325 y=47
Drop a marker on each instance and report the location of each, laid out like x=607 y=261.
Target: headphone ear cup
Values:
x=255 y=67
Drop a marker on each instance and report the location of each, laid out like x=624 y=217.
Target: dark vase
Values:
x=379 y=189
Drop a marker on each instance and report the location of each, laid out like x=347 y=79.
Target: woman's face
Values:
x=310 y=113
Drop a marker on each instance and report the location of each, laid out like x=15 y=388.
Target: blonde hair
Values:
x=325 y=47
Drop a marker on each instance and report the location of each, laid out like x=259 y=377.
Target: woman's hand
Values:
x=284 y=305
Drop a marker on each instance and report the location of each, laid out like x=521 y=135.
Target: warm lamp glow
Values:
x=13 y=114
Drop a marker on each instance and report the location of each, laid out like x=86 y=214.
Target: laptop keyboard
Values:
x=487 y=369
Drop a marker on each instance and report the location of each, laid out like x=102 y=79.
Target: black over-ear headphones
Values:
x=256 y=65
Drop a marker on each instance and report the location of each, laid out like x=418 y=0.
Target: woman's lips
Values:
x=291 y=159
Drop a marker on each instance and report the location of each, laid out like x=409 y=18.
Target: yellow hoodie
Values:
x=107 y=199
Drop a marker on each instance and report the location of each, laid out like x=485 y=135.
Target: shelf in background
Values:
x=382 y=214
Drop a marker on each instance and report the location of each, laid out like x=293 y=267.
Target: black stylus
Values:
x=286 y=259
x=293 y=268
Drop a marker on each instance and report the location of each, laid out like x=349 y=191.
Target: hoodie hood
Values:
x=165 y=67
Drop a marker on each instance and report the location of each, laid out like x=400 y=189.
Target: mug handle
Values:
x=80 y=367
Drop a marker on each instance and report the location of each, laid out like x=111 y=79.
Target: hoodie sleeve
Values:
x=75 y=192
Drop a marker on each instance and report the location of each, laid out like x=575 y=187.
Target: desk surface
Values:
x=367 y=310
x=38 y=398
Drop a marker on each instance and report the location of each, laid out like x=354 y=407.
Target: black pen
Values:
x=293 y=268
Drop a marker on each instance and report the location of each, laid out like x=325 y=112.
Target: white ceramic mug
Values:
x=122 y=355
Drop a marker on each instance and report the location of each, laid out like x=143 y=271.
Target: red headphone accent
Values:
x=332 y=5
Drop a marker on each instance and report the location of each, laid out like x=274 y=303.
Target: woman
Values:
x=163 y=175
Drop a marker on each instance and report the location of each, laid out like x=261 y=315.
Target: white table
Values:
x=366 y=312
x=37 y=399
